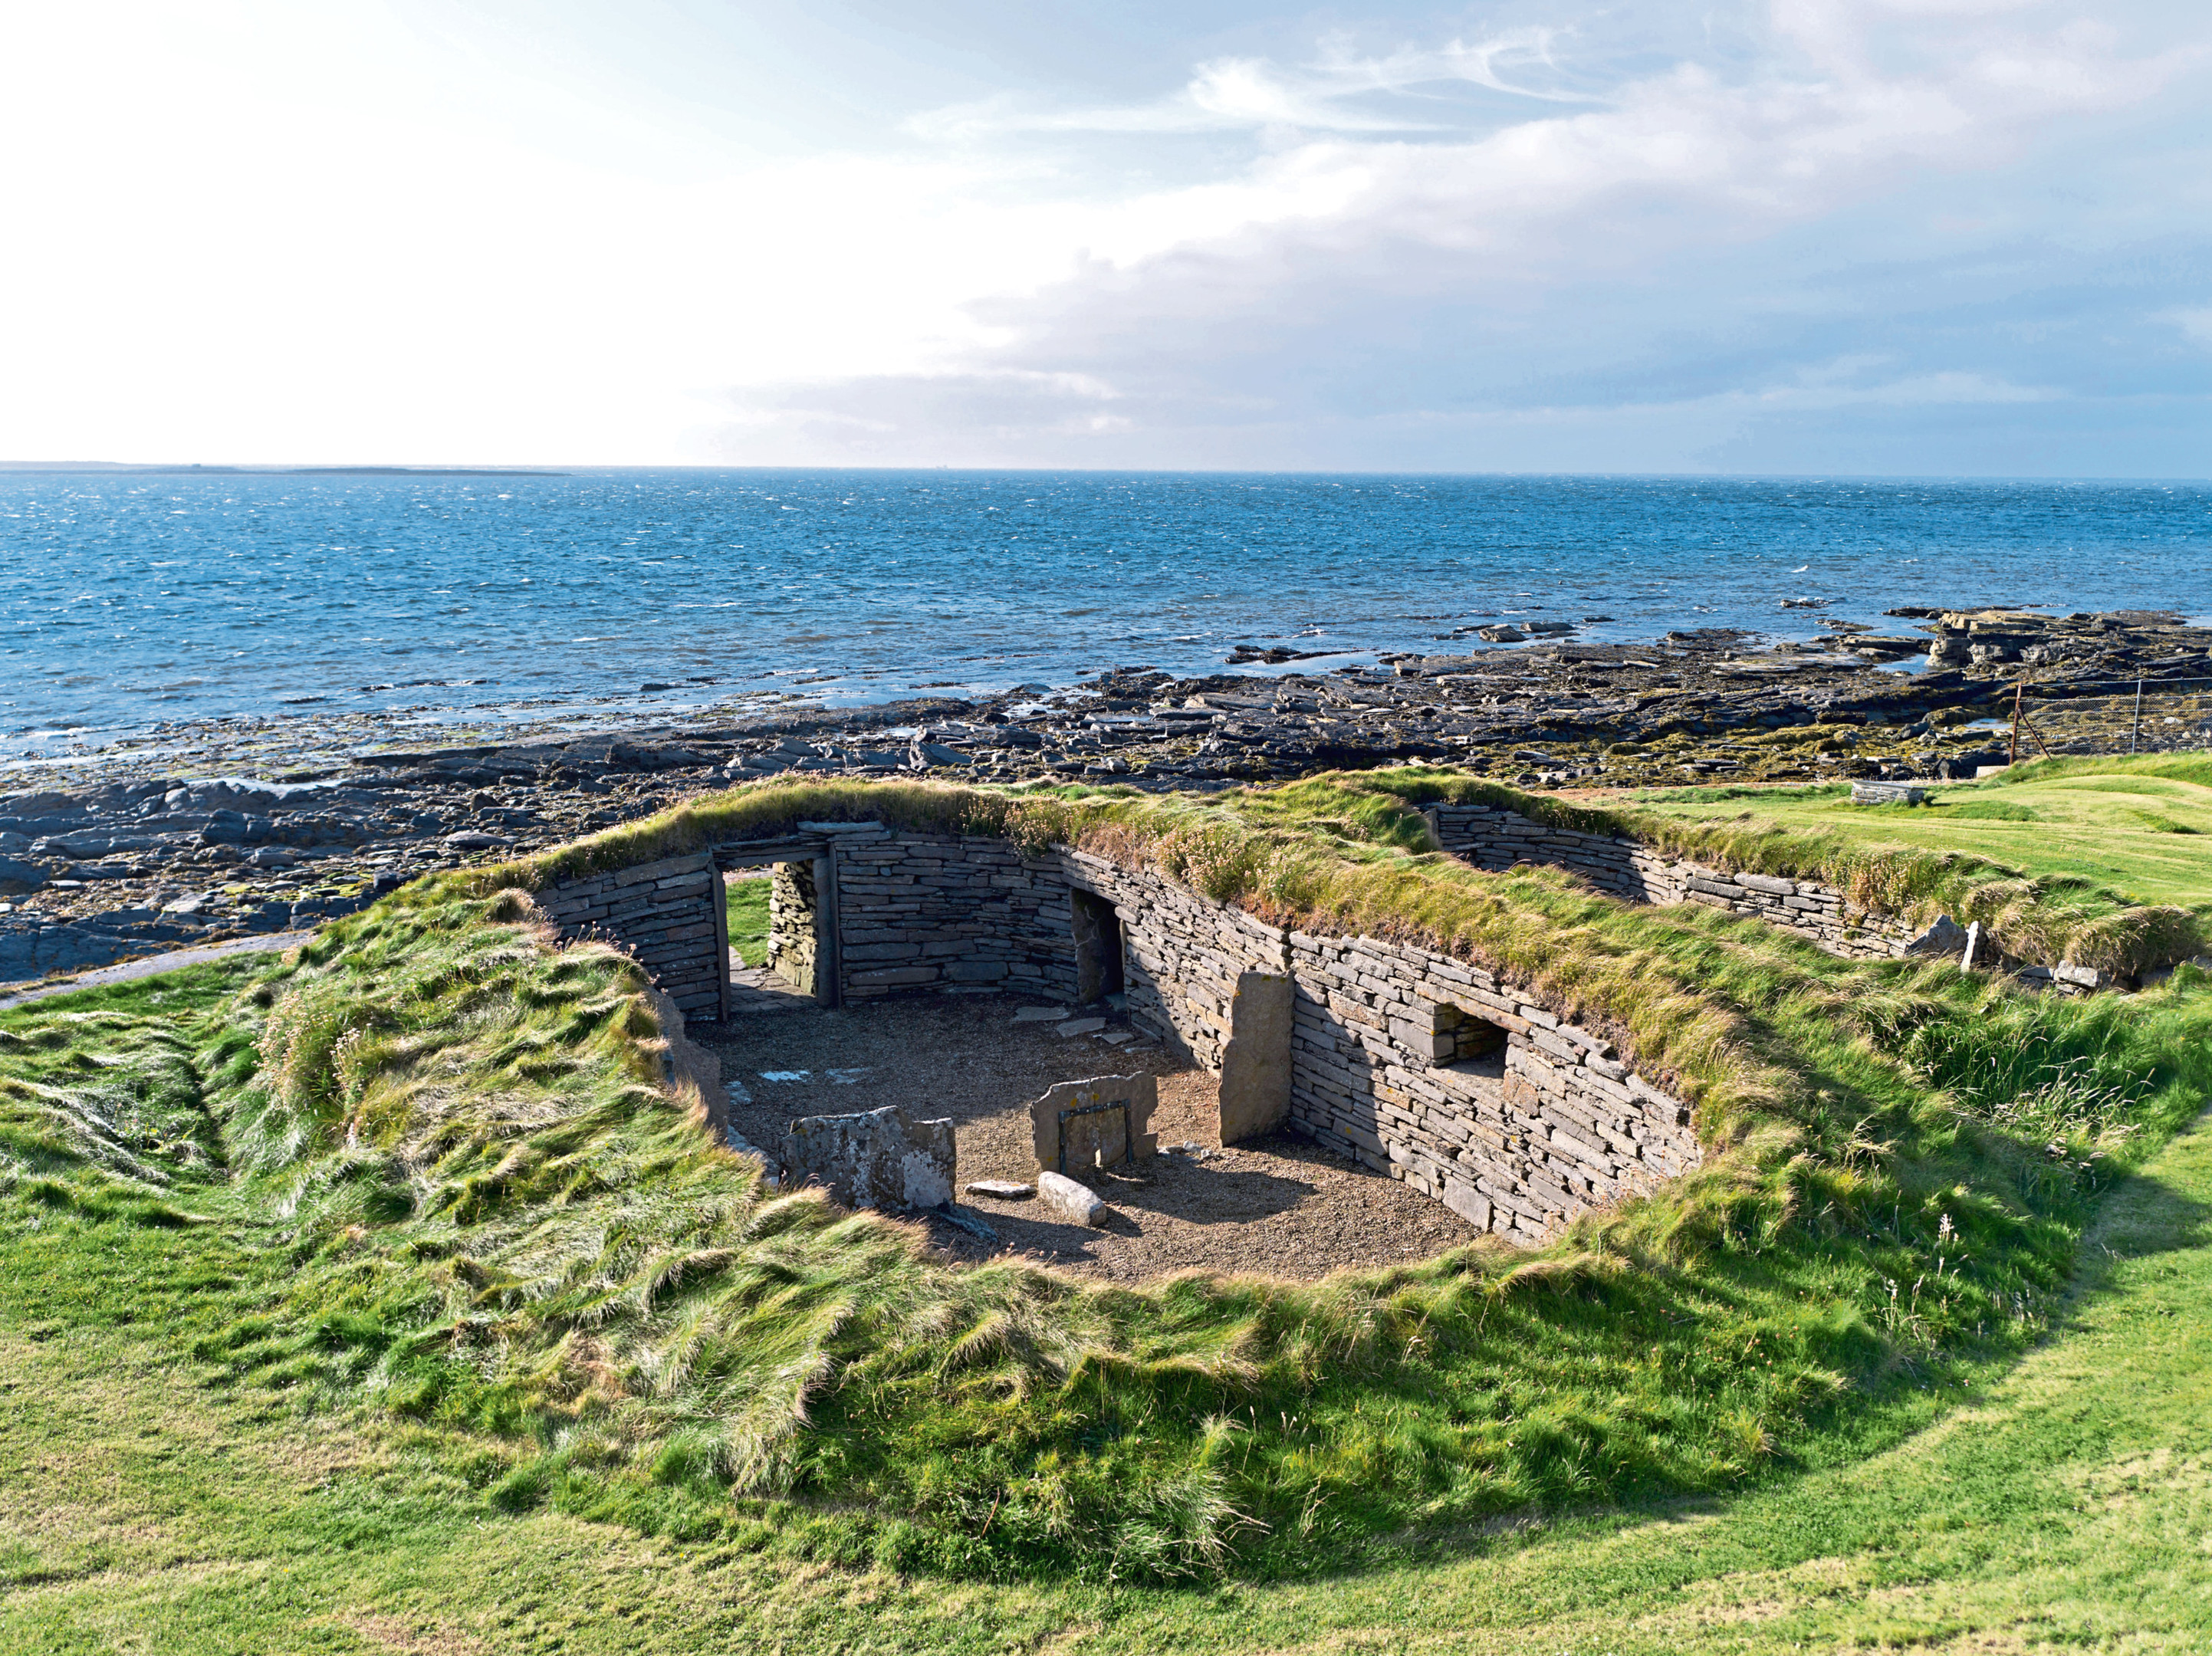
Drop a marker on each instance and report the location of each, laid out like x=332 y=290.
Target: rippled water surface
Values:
x=129 y=600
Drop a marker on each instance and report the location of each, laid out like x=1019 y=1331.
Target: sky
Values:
x=1885 y=237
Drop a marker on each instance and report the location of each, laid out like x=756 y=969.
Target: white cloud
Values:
x=2195 y=324
x=256 y=231
x=1339 y=91
x=1681 y=158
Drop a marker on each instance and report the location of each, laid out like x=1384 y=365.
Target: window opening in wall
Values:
x=1469 y=1044
x=1098 y=947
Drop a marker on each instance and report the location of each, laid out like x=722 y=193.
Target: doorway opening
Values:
x=1099 y=948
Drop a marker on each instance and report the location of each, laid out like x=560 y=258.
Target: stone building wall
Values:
x=792 y=942
x=667 y=913
x=920 y=912
x=1421 y=1067
x=1493 y=838
x=1183 y=953
x=1552 y=1124
x=1517 y=1143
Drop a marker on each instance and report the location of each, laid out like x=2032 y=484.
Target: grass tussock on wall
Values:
x=449 y=1185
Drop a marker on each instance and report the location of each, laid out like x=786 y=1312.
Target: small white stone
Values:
x=1078 y=1204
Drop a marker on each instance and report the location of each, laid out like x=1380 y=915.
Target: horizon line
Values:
x=217 y=469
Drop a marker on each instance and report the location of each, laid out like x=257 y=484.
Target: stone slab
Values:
x=1255 y=1064
x=877 y=1159
x=1100 y=1136
x=1064 y=1199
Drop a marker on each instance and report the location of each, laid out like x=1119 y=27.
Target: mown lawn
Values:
x=145 y=1505
x=2141 y=826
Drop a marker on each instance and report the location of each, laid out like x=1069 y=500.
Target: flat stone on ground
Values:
x=1039 y=1015
x=1001 y=1190
x=1080 y=1027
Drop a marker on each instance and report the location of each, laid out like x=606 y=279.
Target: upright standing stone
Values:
x=1255 y=1065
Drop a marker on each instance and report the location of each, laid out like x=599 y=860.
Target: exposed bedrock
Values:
x=143 y=858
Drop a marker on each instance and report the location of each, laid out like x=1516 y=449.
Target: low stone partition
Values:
x=1492 y=837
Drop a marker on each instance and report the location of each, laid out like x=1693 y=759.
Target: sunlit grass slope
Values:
x=425 y=1168
x=747 y=906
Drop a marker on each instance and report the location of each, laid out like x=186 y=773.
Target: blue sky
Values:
x=1857 y=236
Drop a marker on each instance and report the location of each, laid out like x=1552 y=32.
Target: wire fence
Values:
x=2142 y=715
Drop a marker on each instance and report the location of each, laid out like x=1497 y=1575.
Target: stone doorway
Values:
x=1100 y=958
x=802 y=955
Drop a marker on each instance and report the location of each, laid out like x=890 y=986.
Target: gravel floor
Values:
x=1280 y=1206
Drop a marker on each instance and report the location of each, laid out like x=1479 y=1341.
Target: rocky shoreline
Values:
x=122 y=857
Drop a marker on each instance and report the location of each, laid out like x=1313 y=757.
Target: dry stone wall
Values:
x=667 y=913
x=920 y=912
x=1493 y=838
x=791 y=937
x=1384 y=1045
x=1184 y=954
x=1517 y=1143
x=1554 y=1124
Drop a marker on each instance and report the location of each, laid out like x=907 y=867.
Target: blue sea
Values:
x=132 y=602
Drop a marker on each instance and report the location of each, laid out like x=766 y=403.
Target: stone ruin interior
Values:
x=1053 y=1055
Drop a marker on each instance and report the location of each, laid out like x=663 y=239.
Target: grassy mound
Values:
x=430 y=1158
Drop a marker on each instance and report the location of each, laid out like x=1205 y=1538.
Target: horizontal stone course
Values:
x=1492 y=837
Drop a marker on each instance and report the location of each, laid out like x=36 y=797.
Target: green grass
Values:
x=428 y=1161
x=747 y=906
x=2140 y=828
x=148 y=1501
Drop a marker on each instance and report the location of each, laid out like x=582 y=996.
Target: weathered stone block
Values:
x=1255 y=1064
x=878 y=1159
x=1063 y=1199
